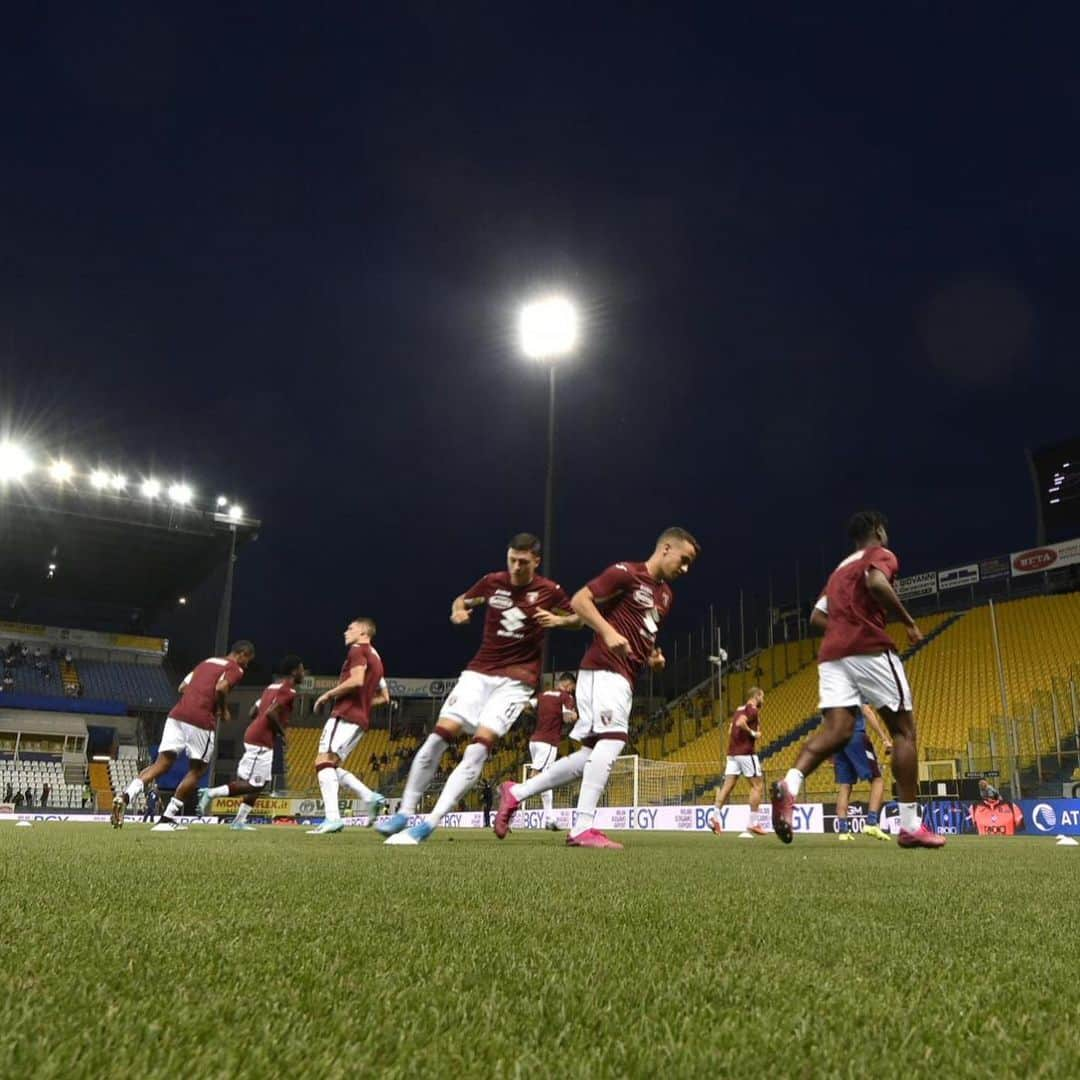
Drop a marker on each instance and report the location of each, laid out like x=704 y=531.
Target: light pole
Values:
x=548 y=330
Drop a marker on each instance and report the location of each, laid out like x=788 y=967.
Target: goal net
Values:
x=634 y=781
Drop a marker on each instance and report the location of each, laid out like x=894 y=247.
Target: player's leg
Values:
x=843 y=799
x=757 y=793
x=184 y=790
x=723 y=793
x=564 y=771
x=542 y=757
x=877 y=794
x=249 y=770
x=172 y=742
x=422 y=769
x=337 y=741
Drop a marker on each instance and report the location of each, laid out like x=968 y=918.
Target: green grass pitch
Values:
x=276 y=954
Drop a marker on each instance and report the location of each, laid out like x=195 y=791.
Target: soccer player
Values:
x=857 y=663
x=497 y=684
x=857 y=760
x=269 y=716
x=554 y=708
x=624 y=607
x=361 y=689
x=191 y=726
x=742 y=760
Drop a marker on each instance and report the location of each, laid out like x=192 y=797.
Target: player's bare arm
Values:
x=885 y=595
x=461 y=608
x=382 y=697
x=221 y=693
x=657 y=660
x=877 y=727
x=551 y=620
x=584 y=604
x=346 y=686
x=819 y=619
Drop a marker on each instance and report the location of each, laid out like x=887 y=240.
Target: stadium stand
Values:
x=35 y=774
x=137 y=685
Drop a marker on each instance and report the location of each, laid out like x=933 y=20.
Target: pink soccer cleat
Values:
x=783 y=806
x=592 y=838
x=507 y=805
x=920 y=837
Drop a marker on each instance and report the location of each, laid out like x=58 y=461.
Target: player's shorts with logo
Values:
x=179 y=735
x=486 y=701
x=339 y=737
x=542 y=754
x=857 y=760
x=603 y=705
x=748 y=765
x=256 y=765
x=877 y=680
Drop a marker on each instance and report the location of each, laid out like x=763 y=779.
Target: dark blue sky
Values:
x=826 y=261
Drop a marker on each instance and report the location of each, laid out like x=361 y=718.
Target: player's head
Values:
x=756 y=697
x=291 y=667
x=567 y=681
x=243 y=652
x=522 y=557
x=676 y=550
x=868 y=527
x=360 y=630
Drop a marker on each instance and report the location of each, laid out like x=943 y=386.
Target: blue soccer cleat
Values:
x=327 y=827
x=388 y=826
x=242 y=826
x=416 y=835
x=203 y=805
x=375 y=808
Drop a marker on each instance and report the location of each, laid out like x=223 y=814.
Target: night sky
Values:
x=824 y=261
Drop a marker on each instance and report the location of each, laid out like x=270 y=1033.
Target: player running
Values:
x=269 y=716
x=624 y=606
x=742 y=760
x=361 y=689
x=857 y=760
x=554 y=708
x=497 y=684
x=857 y=663
x=191 y=726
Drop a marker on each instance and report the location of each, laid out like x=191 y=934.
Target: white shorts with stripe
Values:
x=748 y=765
x=543 y=754
x=479 y=701
x=340 y=737
x=179 y=735
x=604 y=699
x=878 y=680
x=256 y=765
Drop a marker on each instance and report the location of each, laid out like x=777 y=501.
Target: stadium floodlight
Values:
x=222 y=502
x=15 y=462
x=181 y=494
x=99 y=479
x=151 y=488
x=61 y=471
x=548 y=328
x=118 y=481
x=236 y=512
x=52 y=566
x=182 y=601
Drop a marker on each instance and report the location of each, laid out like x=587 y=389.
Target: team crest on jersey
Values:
x=531 y=597
x=643 y=596
x=500 y=602
x=606 y=717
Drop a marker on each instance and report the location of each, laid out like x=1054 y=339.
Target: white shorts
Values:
x=486 y=701
x=743 y=765
x=603 y=704
x=180 y=735
x=864 y=680
x=256 y=765
x=543 y=754
x=339 y=737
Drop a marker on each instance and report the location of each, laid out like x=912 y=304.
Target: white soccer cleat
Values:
x=168 y=826
x=327 y=827
x=746 y=836
x=403 y=838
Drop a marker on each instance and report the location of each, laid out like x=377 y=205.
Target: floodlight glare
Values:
x=61 y=471
x=182 y=601
x=118 y=481
x=99 y=479
x=548 y=328
x=235 y=512
x=151 y=489
x=222 y=501
x=180 y=494
x=15 y=463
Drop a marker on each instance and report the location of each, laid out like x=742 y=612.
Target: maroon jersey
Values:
x=260 y=732
x=741 y=742
x=513 y=638
x=856 y=625
x=196 y=704
x=355 y=706
x=552 y=707
x=634 y=603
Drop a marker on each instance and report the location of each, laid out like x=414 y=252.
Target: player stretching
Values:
x=362 y=687
x=494 y=688
x=858 y=760
x=269 y=716
x=857 y=663
x=742 y=760
x=191 y=726
x=554 y=708
x=624 y=606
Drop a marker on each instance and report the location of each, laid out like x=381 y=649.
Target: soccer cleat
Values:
x=403 y=839
x=757 y=830
x=746 y=835
x=552 y=826
x=845 y=836
x=168 y=826
x=375 y=808
x=716 y=827
x=395 y=823
x=783 y=806
x=593 y=838
x=327 y=827
x=116 y=818
x=920 y=837
x=507 y=805
x=411 y=837
x=876 y=832
x=203 y=804
x=242 y=826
